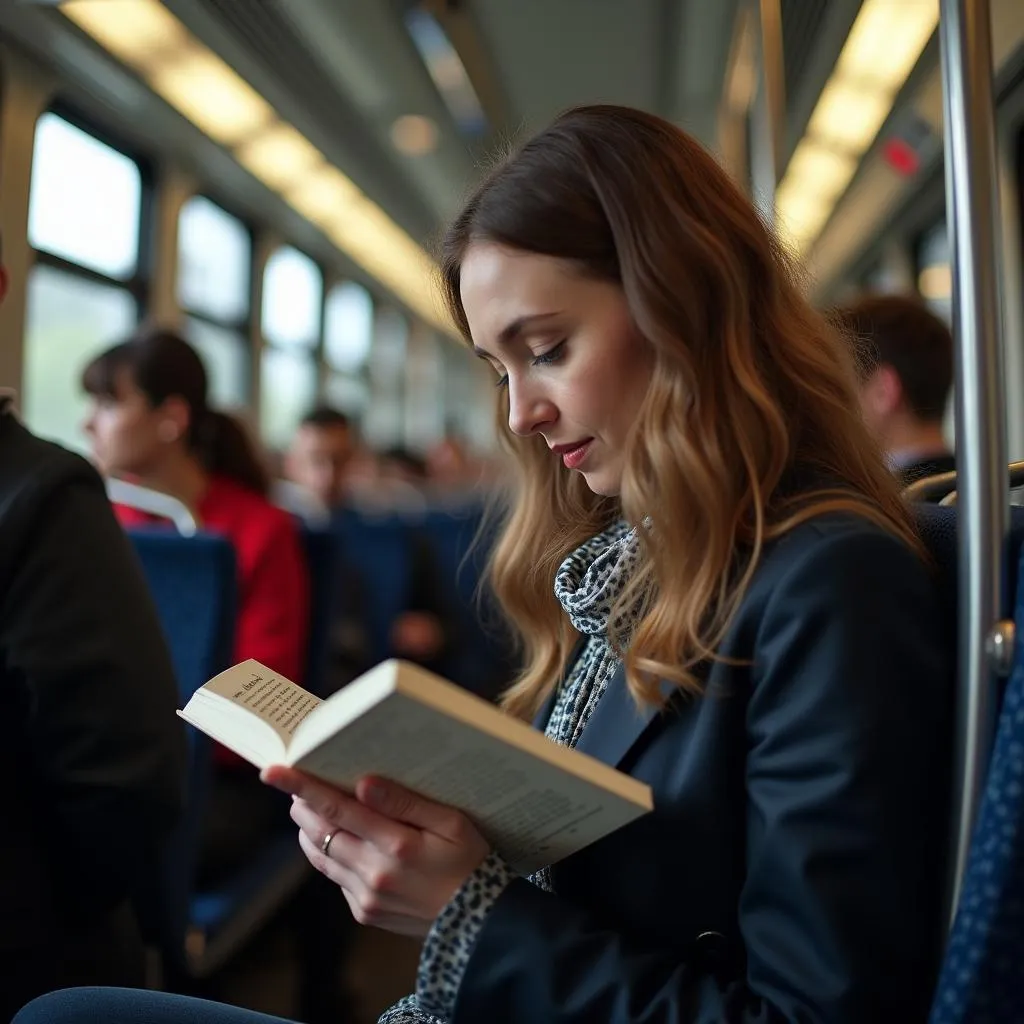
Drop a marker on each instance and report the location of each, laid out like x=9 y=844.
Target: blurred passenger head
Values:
x=150 y=403
x=905 y=366
x=448 y=463
x=320 y=454
x=644 y=324
x=402 y=465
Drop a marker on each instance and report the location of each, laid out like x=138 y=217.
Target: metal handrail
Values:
x=156 y=503
x=943 y=485
x=971 y=202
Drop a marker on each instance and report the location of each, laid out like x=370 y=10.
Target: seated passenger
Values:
x=318 y=459
x=92 y=756
x=906 y=376
x=150 y=422
x=718 y=590
x=320 y=454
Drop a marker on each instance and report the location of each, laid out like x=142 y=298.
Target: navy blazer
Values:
x=792 y=867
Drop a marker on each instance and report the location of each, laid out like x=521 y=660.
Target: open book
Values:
x=534 y=800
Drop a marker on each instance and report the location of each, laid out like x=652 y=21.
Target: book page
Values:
x=532 y=811
x=272 y=698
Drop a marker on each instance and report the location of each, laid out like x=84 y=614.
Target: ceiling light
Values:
x=848 y=117
x=206 y=91
x=323 y=195
x=136 y=31
x=203 y=88
x=887 y=39
x=821 y=170
x=801 y=215
x=414 y=135
x=882 y=49
x=279 y=156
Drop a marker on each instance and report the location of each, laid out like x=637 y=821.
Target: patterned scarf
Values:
x=587 y=585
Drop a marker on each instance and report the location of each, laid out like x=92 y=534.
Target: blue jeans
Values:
x=114 y=1005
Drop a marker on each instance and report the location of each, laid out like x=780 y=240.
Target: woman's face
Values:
x=566 y=348
x=128 y=436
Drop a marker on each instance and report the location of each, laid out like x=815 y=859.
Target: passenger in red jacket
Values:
x=150 y=422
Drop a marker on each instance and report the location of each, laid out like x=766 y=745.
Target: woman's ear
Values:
x=175 y=419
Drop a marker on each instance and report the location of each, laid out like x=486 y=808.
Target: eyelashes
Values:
x=545 y=358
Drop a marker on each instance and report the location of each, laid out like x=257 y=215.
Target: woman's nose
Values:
x=528 y=411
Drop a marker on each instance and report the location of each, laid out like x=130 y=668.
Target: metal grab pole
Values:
x=971 y=202
x=768 y=129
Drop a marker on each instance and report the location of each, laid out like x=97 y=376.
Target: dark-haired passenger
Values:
x=319 y=458
x=150 y=421
x=320 y=453
x=906 y=375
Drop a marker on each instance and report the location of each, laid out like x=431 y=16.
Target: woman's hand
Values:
x=398 y=857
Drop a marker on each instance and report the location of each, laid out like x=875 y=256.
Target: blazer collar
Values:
x=616 y=723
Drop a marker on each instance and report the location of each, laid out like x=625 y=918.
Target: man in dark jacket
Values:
x=91 y=753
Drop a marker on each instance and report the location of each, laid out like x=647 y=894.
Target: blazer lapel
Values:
x=617 y=723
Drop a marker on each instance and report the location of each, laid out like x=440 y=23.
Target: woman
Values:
x=150 y=421
x=704 y=534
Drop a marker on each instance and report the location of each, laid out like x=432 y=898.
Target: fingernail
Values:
x=375 y=793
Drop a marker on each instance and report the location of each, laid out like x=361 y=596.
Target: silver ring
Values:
x=325 y=846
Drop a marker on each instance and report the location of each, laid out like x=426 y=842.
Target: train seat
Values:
x=193 y=582
x=980 y=976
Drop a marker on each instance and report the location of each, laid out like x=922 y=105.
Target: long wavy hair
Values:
x=751 y=393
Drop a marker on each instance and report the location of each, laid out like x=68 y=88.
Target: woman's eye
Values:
x=552 y=355
x=502 y=381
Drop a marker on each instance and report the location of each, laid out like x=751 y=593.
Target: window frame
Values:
x=244 y=326
x=140 y=283
x=314 y=353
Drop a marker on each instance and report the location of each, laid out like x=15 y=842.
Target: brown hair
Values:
x=751 y=388
x=162 y=364
x=900 y=331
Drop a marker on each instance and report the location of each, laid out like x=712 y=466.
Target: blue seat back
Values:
x=981 y=977
x=482 y=660
x=938 y=527
x=982 y=980
x=193 y=581
x=375 y=567
x=320 y=557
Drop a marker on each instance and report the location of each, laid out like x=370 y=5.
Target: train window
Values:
x=384 y=419
x=288 y=381
x=348 y=327
x=291 y=318
x=214 y=289
x=292 y=299
x=226 y=357
x=85 y=202
x=934 y=270
x=346 y=393
x=214 y=262
x=68 y=320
